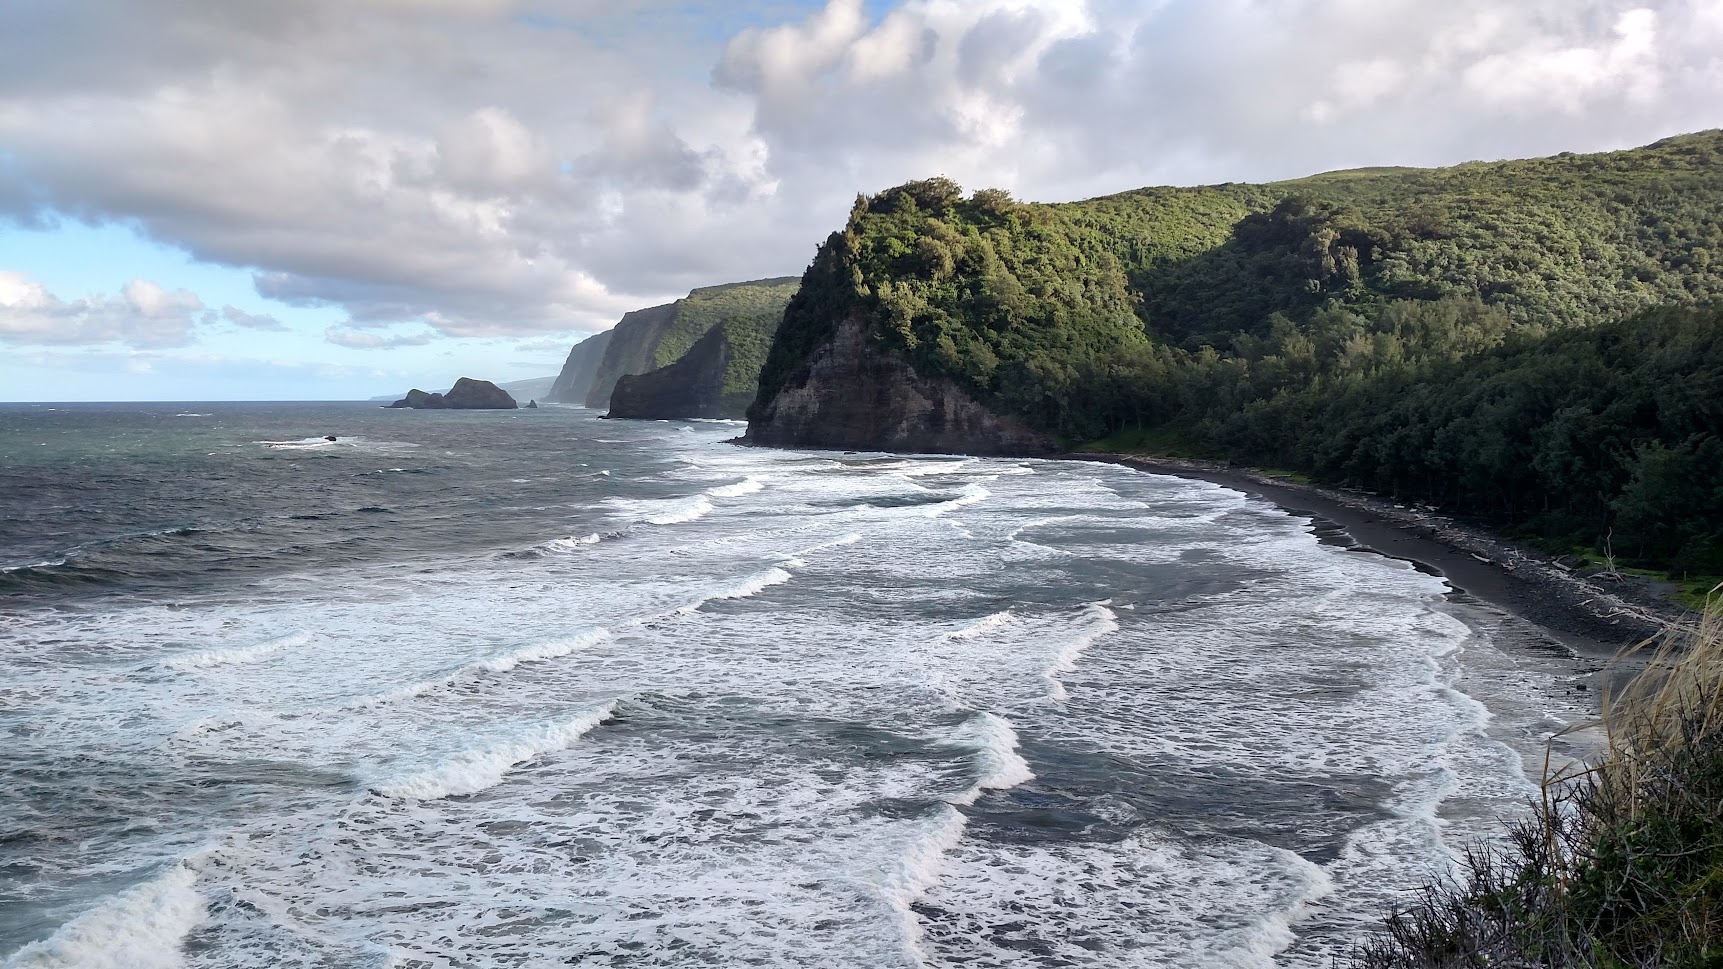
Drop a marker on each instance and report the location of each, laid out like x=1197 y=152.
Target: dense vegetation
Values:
x=1620 y=866
x=1477 y=336
x=755 y=307
x=658 y=336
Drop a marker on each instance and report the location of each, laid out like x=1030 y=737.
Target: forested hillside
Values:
x=656 y=337
x=1475 y=335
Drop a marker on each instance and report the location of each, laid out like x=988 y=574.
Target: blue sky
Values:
x=316 y=199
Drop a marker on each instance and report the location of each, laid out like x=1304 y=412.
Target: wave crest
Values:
x=472 y=771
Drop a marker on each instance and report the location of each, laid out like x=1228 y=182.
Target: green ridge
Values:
x=1335 y=326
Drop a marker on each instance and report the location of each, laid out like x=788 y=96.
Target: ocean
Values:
x=531 y=688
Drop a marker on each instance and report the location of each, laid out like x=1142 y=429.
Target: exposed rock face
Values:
x=579 y=370
x=466 y=394
x=691 y=387
x=630 y=350
x=856 y=396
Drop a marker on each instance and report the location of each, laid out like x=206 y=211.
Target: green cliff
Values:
x=659 y=336
x=1228 y=320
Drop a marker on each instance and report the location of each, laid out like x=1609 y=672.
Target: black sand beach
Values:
x=1594 y=621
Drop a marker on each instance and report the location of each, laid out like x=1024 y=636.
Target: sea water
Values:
x=530 y=688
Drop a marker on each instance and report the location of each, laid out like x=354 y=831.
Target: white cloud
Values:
x=142 y=315
x=521 y=167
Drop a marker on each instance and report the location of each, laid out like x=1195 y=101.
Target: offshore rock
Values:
x=853 y=395
x=466 y=394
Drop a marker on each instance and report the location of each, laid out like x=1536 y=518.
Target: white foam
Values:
x=1103 y=621
x=981 y=627
x=541 y=651
x=996 y=756
x=685 y=512
x=570 y=544
x=538 y=652
x=918 y=872
x=142 y=927
x=972 y=494
x=44 y=564
x=1142 y=902
x=237 y=656
x=746 y=486
x=744 y=590
x=471 y=771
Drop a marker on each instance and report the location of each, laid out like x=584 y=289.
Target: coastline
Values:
x=1595 y=622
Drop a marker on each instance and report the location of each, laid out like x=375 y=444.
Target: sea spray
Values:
x=996 y=758
x=471 y=771
x=139 y=928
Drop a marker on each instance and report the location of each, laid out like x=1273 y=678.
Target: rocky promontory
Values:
x=466 y=394
x=854 y=396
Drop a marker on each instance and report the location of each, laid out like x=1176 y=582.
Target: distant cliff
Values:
x=660 y=335
x=579 y=370
x=717 y=378
x=466 y=394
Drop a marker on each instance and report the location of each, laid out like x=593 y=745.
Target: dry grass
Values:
x=1620 y=866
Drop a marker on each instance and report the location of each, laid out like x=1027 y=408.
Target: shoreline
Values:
x=1596 y=623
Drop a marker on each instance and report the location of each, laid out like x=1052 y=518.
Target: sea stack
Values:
x=466 y=394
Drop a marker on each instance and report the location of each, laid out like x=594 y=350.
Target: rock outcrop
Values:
x=853 y=395
x=466 y=394
x=579 y=370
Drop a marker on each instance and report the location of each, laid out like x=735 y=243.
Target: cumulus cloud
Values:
x=142 y=315
x=519 y=167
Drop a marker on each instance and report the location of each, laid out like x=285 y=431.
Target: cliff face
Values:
x=652 y=338
x=691 y=387
x=579 y=370
x=856 y=396
x=631 y=348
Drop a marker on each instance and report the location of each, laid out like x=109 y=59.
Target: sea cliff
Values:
x=579 y=370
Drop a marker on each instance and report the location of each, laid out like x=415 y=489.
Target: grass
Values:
x=1620 y=865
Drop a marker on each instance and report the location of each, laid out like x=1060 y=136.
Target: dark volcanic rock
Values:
x=466 y=394
x=856 y=396
x=691 y=387
x=532 y=405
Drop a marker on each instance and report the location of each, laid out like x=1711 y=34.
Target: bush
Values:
x=1621 y=866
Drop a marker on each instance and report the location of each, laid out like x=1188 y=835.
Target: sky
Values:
x=335 y=199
